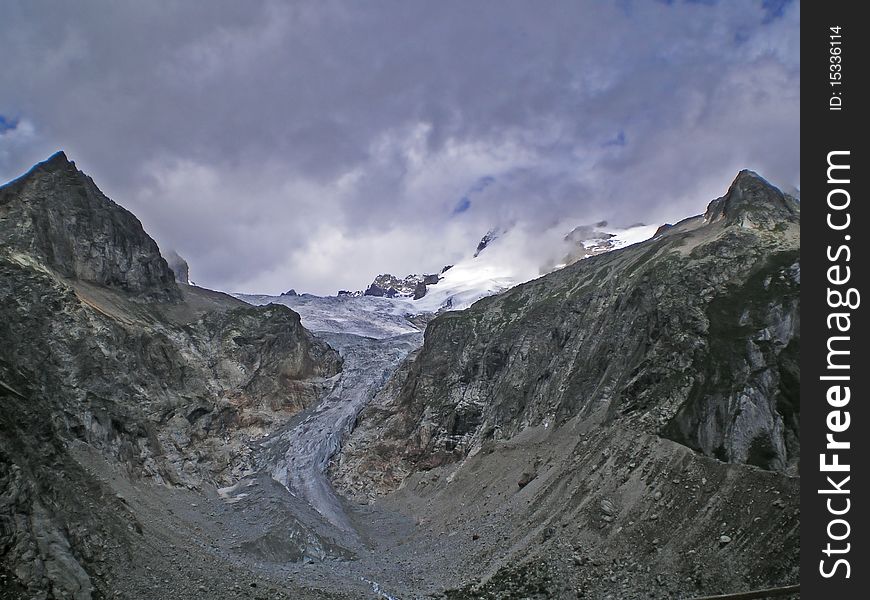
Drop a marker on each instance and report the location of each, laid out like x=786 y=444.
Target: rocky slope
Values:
x=691 y=337
x=103 y=350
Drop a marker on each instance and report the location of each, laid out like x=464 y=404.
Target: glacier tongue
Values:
x=367 y=316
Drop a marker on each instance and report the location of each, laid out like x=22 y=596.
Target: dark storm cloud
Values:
x=312 y=144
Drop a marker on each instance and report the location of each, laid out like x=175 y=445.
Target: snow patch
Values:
x=514 y=257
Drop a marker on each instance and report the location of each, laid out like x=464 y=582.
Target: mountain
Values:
x=111 y=372
x=665 y=371
x=692 y=335
x=623 y=426
x=57 y=215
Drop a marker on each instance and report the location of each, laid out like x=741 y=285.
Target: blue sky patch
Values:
x=7 y=124
x=774 y=9
x=478 y=186
x=619 y=140
x=741 y=36
x=461 y=206
x=481 y=184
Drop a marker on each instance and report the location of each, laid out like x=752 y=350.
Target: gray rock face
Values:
x=753 y=202
x=174 y=402
x=691 y=336
x=56 y=213
x=379 y=292
x=147 y=389
x=390 y=286
x=173 y=390
x=420 y=290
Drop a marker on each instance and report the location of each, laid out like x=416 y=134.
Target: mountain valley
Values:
x=621 y=424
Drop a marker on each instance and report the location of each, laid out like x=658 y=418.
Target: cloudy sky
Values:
x=315 y=144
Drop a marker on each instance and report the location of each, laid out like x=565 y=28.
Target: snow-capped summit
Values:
x=393 y=306
x=516 y=255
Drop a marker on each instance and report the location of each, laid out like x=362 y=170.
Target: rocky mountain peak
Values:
x=58 y=215
x=56 y=162
x=486 y=240
x=753 y=201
